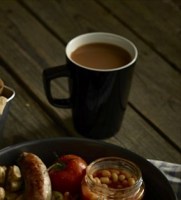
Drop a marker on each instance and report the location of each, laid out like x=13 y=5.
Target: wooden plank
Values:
x=157 y=22
x=140 y=138
x=153 y=75
x=26 y=119
x=20 y=60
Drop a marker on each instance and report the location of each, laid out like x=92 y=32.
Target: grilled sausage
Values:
x=36 y=178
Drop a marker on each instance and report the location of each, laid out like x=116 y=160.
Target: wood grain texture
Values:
x=26 y=120
x=154 y=77
x=33 y=35
x=156 y=22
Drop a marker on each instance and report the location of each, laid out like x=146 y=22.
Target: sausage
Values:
x=36 y=177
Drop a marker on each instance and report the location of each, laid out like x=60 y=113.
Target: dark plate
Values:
x=157 y=186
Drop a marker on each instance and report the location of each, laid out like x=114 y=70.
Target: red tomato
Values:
x=67 y=173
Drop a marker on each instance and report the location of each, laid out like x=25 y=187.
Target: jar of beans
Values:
x=112 y=178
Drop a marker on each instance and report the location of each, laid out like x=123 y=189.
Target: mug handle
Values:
x=48 y=75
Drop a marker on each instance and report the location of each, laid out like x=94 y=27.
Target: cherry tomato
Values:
x=67 y=173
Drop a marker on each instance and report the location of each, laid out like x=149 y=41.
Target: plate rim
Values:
x=92 y=141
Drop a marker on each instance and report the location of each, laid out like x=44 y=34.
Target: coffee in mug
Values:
x=101 y=56
x=99 y=68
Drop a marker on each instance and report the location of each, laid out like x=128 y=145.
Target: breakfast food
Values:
x=112 y=178
x=13 y=179
x=10 y=182
x=70 y=178
x=66 y=173
x=36 y=178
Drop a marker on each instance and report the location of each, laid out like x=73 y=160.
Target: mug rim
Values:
x=106 y=34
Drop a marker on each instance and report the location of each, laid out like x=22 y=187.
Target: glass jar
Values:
x=112 y=178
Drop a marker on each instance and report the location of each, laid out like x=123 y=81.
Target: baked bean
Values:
x=126 y=173
x=105 y=180
x=131 y=181
x=106 y=173
x=114 y=178
x=122 y=177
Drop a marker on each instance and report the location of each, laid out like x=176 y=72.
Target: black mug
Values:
x=98 y=95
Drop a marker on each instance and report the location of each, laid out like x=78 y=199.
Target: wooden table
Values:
x=33 y=35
